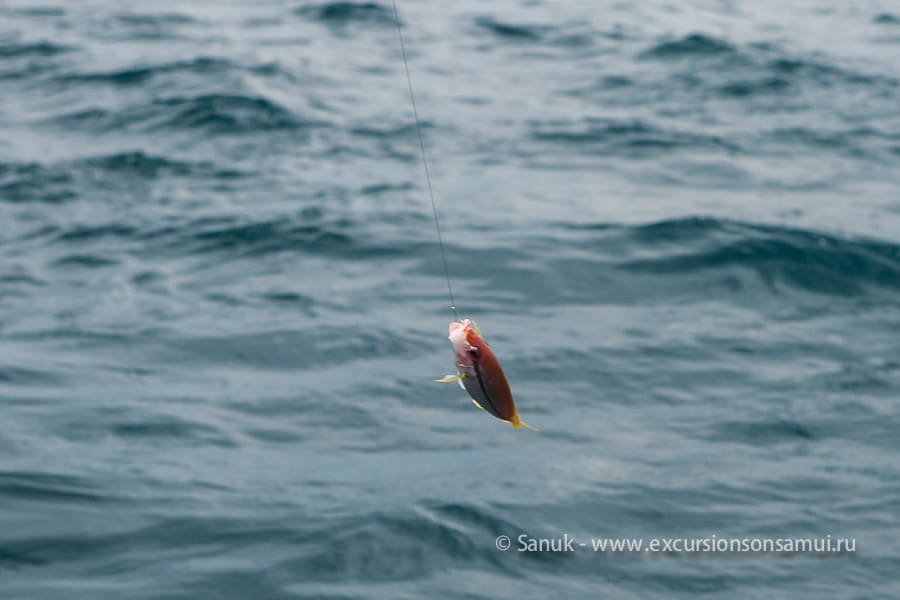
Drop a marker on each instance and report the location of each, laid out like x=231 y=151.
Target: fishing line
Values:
x=412 y=99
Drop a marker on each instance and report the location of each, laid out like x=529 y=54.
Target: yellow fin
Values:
x=517 y=422
x=451 y=378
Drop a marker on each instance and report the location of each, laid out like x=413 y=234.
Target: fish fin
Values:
x=478 y=405
x=458 y=378
x=517 y=422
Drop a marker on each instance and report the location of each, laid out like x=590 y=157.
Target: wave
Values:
x=138 y=75
x=744 y=88
x=134 y=536
x=336 y=239
x=269 y=236
x=31 y=182
x=341 y=13
x=154 y=20
x=762 y=433
x=689 y=259
x=90 y=261
x=47 y=487
x=404 y=545
x=22 y=376
x=823 y=73
x=299 y=349
x=389 y=131
x=228 y=236
x=15 y=50
x=140 y=164
x=86 y=233
x=226 y=113
x=573 y=37
x=802 y=259
x=765 y=79
x=771 y=72
x=693 y=45
x=858 y=141
x=611 y=136
x=214 y=113
x=34 y=11
x=65 y=181
x=375 y=546
x=170 y=428
x=779 y=74
x=509 y=31
x=886 y=19
x=150 y=27
x=752 y=75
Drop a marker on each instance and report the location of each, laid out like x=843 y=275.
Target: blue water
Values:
x=222 y=302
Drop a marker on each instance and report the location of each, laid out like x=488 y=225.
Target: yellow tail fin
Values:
x=517 y=422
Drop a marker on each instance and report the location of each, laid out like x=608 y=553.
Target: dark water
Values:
x=222 y=303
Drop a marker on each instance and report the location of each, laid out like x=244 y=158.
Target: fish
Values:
x=479 y=373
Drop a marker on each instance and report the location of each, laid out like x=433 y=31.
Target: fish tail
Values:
x=517 y=422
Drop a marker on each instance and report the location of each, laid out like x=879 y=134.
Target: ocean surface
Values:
x=222 y=304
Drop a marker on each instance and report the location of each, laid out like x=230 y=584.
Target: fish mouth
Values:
x=463 y=323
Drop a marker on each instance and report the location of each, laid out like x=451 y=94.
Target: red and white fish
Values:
x=480 y=374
